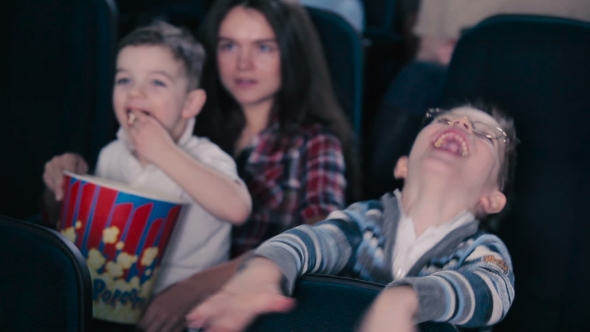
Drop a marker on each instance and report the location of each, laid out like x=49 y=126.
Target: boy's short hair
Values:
x=506 y=174
x=180 y=42
x=508 y=166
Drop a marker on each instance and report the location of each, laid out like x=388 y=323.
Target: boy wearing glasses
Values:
x=425 y=242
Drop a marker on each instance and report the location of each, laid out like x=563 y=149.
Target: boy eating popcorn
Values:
x=424 y=242
x=156 y=98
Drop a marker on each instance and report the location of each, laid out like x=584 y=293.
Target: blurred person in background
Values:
x=438 y=26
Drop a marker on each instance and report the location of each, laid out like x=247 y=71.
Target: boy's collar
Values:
x=188 y=132
x=461 y=218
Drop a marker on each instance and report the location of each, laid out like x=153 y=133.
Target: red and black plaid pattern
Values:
x=298 y=178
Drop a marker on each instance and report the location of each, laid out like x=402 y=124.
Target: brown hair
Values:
x=508 y=162
x=180 y=42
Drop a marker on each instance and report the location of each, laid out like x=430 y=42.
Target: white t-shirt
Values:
x=199 y=240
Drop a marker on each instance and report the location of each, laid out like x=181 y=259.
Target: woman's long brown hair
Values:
x=306 y=94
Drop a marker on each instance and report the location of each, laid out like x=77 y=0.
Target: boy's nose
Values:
x=463 y=122
x=136 y=91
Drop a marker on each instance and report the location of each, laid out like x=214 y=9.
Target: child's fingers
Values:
x=53 y=177
x=211 y=311
x=244 y=314
x=57 y=186
x=140 y=117
x=81 y=166
x=53 y=173
x=281 y=304
x=133 y=131
x=73 y=163
x=223 y=323
x=195 y=322
x=139 y=123
x=199 y=316
x=234 y=313
x=144 y=119
x=49 y=175
x=234 y=323
x=193 y=315
x=68 y=162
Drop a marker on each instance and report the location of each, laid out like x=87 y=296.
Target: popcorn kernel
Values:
x=70 y=233
x=149 y=255
x=109 y=235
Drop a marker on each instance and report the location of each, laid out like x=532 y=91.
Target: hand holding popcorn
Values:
x=53 y=175
x=149 y=138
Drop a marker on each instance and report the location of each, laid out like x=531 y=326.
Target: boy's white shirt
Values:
x=199 y=240
x=408 y=249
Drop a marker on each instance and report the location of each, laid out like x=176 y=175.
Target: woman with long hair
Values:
x=271 y=105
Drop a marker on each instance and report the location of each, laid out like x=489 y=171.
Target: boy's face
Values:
x=151 y=81
x=450 y=148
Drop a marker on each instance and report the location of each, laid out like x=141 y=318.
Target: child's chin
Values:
x=442 y=164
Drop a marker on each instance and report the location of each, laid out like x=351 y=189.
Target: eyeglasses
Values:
x=480 y=129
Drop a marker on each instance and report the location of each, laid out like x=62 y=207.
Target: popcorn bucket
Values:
x=123 y=234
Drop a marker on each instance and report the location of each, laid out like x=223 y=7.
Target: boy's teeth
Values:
x=439 y=142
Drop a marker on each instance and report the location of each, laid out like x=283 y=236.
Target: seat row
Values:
x=534 y=67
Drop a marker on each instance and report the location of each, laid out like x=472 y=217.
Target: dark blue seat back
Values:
x=60 y=64
x=329 y=304
x=45 y=283
x=537 y=68
x=344 y=54
x=380 y=18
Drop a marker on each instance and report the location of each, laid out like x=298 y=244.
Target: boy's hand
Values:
x=53 y=175
x=149 y=138
x=166 y=311
x=250 y=293
x=393 y=310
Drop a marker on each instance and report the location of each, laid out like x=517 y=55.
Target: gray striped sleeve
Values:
x=478 y=293
x=323 y=249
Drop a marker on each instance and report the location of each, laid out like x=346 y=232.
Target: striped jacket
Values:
x=466 y=279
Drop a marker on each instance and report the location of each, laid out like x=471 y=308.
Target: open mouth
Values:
x=131 y=116
x=452 y=142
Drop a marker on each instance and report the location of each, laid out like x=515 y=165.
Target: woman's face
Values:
x=248 y=57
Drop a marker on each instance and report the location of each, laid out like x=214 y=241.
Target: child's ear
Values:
x=194 y=103
x=493 y=202
x=401 y=168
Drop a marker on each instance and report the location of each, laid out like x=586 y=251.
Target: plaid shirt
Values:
x=298 y=179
